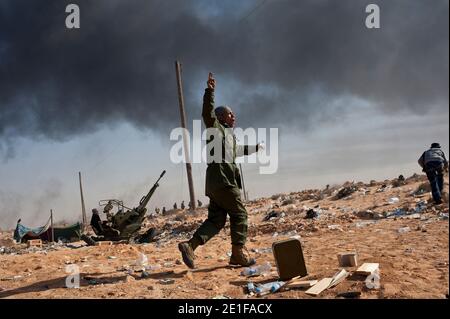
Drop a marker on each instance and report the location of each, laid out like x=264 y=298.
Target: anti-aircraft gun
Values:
x=125 y=224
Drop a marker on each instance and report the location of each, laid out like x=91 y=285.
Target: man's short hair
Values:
x=221 y=110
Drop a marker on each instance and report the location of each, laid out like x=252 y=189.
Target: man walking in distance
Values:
x=434 y=163
x=223 y=183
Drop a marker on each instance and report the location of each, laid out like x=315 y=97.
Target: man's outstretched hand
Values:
x=211 y=81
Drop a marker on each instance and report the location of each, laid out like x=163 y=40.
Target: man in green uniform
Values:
x=223 y=183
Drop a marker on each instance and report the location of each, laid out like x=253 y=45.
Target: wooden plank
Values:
x=338 y=278
x=300 y=284
x=348 y=260
x=319 y=287
x=367 y=268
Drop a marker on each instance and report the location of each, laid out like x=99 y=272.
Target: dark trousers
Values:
x=222 y=202
x=435 y=174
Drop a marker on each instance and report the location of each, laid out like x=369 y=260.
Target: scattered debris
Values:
x=348 y=259
x=402 y=230
x=167 y=281
x=261 y=250
x=335 y=227
x=250 y=287
x=367 y=268
x=300 y=284
x=257 y=270
x=271 y=215
x=383 y=188
x=17 y=277
x=420 y=206
x=422 y=189
x=393 y=200
x=142 y=261
x=319 y=287
x=93 y=282
x=397 y=213
x=289 y=259
x=345 y=191
x=338 y=278
x=267 y=288
x=313 y=213
x=34 y=243
x=364 y=224
x=368 y=214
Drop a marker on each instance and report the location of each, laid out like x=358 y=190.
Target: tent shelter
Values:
x=69 y=233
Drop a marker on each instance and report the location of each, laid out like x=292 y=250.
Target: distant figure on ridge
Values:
x=434 y=163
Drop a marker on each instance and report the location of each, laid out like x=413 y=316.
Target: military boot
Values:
x=187 y=250
x=239 y=257
x=187 y=253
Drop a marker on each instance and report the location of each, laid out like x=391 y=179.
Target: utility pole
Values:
x=51 y=225
x=83 y=208
x=243 y=184
x=185 y=138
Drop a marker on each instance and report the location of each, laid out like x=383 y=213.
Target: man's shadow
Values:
x=85 y=280
x=89 y=279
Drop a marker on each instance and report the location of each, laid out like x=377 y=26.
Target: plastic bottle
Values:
x=270 y=287
x=152 y=267
x=142 y=261
x=257 y=270
x=276 y=286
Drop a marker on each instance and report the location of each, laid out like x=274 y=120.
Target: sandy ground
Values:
x=413 y=264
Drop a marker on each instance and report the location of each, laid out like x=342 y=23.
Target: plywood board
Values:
x=338 y=278
x=300 y=284
x=319 y=287
x=289 y=259
x=367 y=268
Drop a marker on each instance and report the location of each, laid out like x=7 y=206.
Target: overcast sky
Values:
x=350 y=103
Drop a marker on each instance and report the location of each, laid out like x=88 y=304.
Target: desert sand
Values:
x=412 y=249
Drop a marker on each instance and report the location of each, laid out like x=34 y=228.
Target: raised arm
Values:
x=209 y=117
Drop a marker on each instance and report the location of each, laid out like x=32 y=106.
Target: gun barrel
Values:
x=144 y=201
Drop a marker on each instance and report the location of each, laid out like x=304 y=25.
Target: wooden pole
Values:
x=51 y=225
x=83 y=207
x=243 y=184
x=185 y=138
